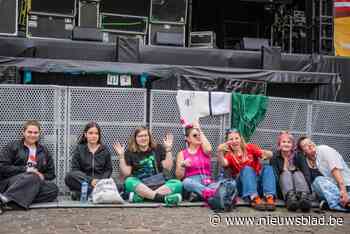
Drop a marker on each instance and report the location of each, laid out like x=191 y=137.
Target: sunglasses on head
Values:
x=231 y=130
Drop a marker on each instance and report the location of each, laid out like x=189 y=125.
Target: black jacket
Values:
x=14 y=157
x=98 y=165
x=301 y=164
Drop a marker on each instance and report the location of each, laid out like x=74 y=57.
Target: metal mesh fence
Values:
x=64 y=111
x=21 y=103
x=282 y=114
x=331 y=126
x=117 y=111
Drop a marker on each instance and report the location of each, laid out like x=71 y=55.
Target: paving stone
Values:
x=151 y=220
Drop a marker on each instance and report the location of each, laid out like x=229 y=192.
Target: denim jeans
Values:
x=326 y=189
x=195 y=184
x=249 y=184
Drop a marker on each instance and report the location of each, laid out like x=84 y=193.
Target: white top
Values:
x=32 y=157
x=327 y=159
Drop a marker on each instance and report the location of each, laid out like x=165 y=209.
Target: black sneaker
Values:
x=194 y=197
x=75 y=196
x=292 y=201
x=324 y=205
x=305 y=202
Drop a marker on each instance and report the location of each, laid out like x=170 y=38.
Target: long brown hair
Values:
x=132 y=144
x=82 y=139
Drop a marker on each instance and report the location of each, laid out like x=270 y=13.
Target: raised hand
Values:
x=223 y=147
x=196 y=124
x=119 y=149
x=168 y=141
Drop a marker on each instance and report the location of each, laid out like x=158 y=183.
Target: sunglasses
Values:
x=195 y=135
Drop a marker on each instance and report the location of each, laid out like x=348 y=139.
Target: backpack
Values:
x=224 y=197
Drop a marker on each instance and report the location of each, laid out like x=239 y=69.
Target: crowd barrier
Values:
x=63 y=112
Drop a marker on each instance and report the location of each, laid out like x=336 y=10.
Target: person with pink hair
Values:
x=294 y=187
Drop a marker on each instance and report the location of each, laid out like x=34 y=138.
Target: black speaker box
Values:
x=166 y=34
x=64 y=7
x=123 y=23
x=168 y=11
x=169 y=38
x=87 y=34
x=43 y=25
x=89 y=14
x=126 y=7
x=8 y=17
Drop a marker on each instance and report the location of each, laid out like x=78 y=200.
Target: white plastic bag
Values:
x=106 y=191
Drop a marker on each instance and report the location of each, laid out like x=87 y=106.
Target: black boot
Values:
x=1 y=208
x=292 y=201
x=3 y=201
x=305 y=201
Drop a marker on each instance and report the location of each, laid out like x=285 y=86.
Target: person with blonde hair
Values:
x=294 y=187
x=26 y=170
x=144 y=165
x=244 y=161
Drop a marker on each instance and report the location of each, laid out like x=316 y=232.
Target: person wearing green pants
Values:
x=144 y=159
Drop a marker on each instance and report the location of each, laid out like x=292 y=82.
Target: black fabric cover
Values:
x=271 y=58
x=197 y=78
x=9 y=75
x=128 y=49
x=57 y=49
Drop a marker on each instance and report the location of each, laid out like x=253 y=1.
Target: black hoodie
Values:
x=96 y=166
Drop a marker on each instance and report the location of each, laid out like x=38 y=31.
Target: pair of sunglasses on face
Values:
x=196 y=135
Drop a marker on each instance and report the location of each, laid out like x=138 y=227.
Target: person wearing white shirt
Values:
x=334 y=185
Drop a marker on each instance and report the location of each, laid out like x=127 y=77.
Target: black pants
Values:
x=27 y=188
x=74 y=179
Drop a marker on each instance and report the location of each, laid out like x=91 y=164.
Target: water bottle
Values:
x=84 y=191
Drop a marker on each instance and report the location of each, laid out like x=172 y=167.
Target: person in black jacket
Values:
x=294 y=187
x=91 y=161
x=26 y=168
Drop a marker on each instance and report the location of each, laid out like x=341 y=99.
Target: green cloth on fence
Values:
x=247 y=112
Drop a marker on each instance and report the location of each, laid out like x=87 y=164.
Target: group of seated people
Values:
x=297 y=172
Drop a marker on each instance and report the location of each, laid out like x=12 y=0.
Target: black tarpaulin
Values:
x=324 y=85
